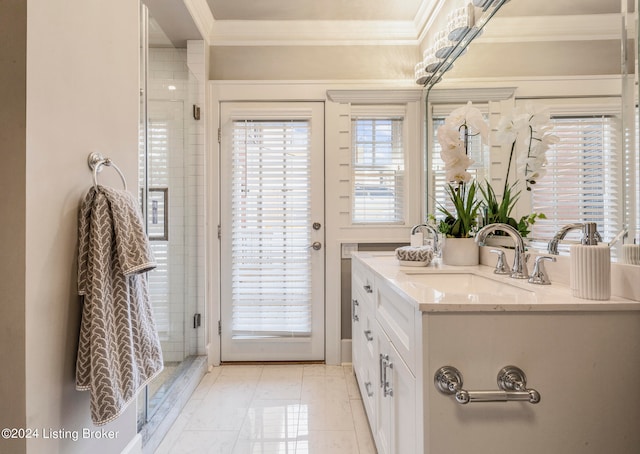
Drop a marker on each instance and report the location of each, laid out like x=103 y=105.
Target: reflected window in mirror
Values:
x=632 y=182
x=477 y=151
x=584 y=176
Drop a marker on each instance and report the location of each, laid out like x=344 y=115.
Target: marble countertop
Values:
x=442 y=288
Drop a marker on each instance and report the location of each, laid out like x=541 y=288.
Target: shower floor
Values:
x=158 y=389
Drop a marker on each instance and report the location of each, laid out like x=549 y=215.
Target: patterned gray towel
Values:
x=119 y=350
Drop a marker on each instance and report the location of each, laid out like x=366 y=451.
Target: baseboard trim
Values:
x=345 y=351
x=134 y=446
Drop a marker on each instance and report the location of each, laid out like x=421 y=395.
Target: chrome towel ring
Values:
x=96 y=161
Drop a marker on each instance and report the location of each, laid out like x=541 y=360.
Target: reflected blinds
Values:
x=158 y=176
x=271 y=260
x=583 y=179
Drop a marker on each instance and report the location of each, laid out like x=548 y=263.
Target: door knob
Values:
x=317 y=245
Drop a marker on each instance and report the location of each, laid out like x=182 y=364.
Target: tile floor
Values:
x=274 y=409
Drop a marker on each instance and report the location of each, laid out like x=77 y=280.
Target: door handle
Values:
x=316 y=246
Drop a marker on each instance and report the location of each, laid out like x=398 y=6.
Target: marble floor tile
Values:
x=328 y=441
x=205 y=442
x=273 y=409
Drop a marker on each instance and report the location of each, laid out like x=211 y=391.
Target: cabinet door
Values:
x=395 y=428
x=381 y=429
x=403 y=406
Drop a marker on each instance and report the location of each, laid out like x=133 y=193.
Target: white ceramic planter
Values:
x=460 y=252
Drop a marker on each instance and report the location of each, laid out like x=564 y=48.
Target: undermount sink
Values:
x=466 y=287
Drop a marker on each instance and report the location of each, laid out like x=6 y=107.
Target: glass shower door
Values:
x=172 y=203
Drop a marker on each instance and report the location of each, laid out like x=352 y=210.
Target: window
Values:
x=437 y=181
x=583 y=177
x=378 y=166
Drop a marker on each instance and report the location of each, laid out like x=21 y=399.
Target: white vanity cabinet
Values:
x=387 y=383
x=582 y=357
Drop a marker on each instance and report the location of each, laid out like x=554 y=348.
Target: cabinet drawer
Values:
x=397 y=316
x=362 y=282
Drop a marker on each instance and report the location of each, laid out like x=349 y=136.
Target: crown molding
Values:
x=426 y=15
x=404 y=33
x=312 y=33
x=202 y=16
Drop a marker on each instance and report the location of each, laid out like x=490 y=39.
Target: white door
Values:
x=272 y=231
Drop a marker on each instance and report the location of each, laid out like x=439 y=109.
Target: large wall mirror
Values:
x=579 y=59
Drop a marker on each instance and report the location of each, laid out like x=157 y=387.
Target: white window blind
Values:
x=583 y=179
x=437 y=181
x=378 y=168
x=271 y=265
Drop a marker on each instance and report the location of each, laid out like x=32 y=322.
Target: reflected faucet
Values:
x=589 y=235
x=434 y=233
x=519 y=268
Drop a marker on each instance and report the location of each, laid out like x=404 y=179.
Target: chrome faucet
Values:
x=519 y=268
x=434 y=233
x=590 y=235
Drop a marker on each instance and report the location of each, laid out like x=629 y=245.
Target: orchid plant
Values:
x=528 y=131
x=453 y=136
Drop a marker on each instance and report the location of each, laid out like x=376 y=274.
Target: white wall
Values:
x=82 y=96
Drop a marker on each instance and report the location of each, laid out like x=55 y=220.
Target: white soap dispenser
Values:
x=590 y=273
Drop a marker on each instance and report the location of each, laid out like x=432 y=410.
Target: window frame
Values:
x=382 y=112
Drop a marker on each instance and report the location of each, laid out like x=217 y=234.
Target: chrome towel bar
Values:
x=96 y=161
x=512 y=384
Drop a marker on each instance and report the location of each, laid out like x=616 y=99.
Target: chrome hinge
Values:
x=219 y=231
x=197 y=320
x=219 y=328
x=219 y=135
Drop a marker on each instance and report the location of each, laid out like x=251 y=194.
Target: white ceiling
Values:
x=405 y=10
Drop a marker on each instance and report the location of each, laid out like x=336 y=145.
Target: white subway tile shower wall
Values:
x=172 y=93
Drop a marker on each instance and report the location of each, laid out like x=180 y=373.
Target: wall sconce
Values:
x=420 y=73
x=460 y=21
x=485 y=4
x=463 y=25
x=443 y=45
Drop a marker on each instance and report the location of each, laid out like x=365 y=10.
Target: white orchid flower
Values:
x=449 y=139
x=458 y=175
x=456 y=159
x=471 y=117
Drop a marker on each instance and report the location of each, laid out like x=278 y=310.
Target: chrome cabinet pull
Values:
x=367 y=385
x=385 y=365
x=368 y=335
x=367 y=288
x=354 y=315
x=512 y=384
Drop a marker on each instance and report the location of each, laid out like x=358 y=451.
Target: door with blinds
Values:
x=272 y=231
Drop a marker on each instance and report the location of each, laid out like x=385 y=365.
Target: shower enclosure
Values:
x=171 y=192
